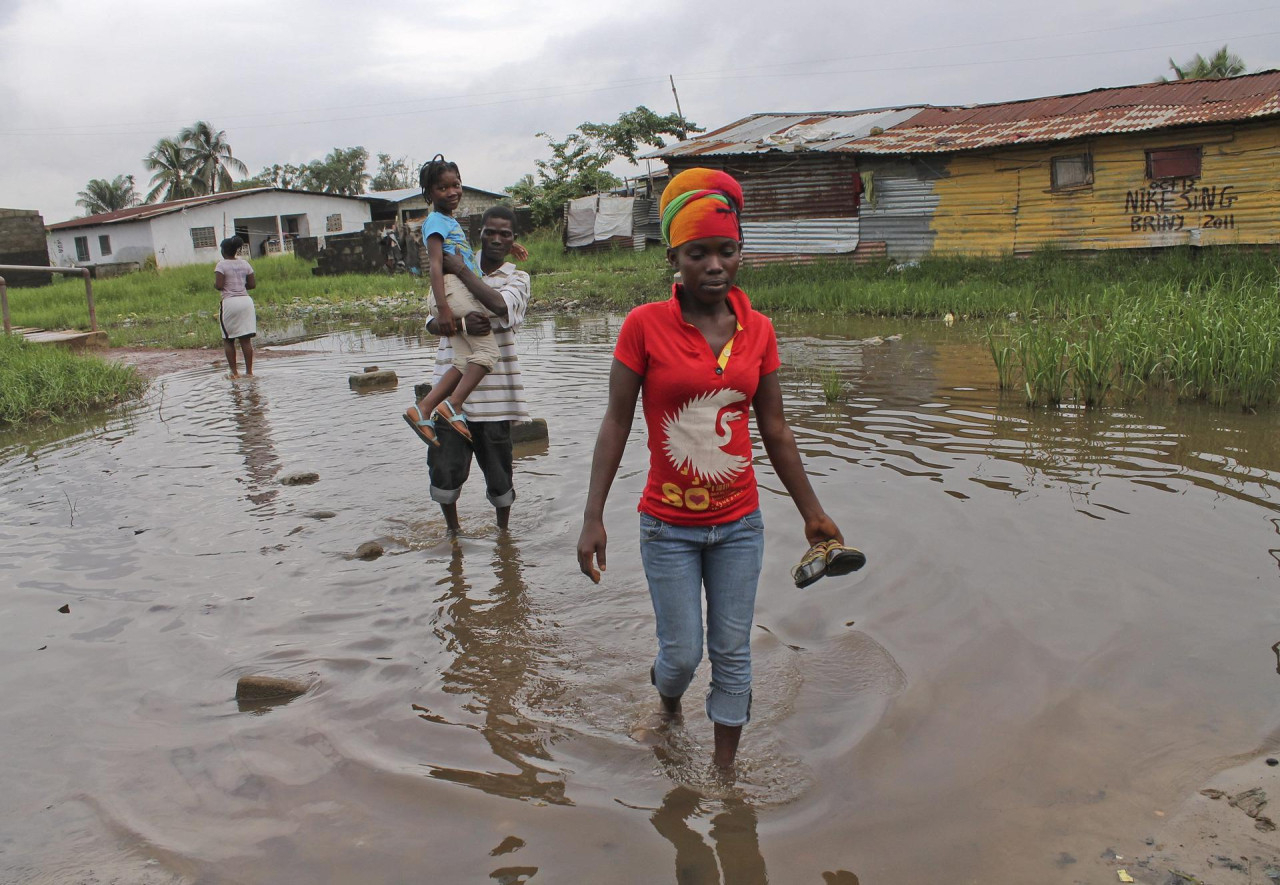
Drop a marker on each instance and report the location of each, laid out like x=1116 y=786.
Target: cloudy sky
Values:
x=87 y=87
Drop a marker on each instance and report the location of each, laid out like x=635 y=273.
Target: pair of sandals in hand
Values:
x=827 y=558
x=425 y=427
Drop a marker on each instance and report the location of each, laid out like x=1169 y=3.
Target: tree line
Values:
x=199 y=160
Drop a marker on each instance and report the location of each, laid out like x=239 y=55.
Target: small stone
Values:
x=301 y=478
x=261 y=687
x=1272 y=761
x=1212 y=793
x=368 y=369
x=369 y=551
x=66 y=609
x=320 y=514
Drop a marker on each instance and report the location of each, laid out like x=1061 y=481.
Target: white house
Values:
x=189 y=231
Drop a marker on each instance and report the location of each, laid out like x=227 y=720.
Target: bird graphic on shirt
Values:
x=697 y=433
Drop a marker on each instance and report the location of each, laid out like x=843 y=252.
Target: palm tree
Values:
x=1221 y=65
x=101 y=196
x=171 y=163
x=210 y=157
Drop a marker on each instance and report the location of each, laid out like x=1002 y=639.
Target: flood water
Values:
x=1064 y=627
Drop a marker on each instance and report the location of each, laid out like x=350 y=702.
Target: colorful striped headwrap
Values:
x=701 y=203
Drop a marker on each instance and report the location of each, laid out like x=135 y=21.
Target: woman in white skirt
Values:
x=233 y=277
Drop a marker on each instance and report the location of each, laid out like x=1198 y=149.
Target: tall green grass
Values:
x=40 y=382
x=1211 y=337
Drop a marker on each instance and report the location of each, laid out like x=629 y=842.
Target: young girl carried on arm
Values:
x=474 y=355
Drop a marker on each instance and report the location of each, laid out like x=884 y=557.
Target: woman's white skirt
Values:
x=238 y=318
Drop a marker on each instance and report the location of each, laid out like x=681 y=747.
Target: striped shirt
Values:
x=500 y=396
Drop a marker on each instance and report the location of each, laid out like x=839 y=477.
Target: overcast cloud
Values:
x=86 y=88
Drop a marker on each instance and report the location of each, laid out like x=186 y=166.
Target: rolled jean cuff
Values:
x=728 y=707
x=504 y=500
x=448 y=496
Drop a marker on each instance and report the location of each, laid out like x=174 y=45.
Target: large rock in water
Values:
x=258 y=688
x=534 y=430
x=372 y=377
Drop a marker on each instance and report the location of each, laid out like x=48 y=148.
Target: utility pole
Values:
x=679 y=113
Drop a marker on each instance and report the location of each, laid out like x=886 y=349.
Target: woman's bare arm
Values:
x=780 y=445
x=624 y=388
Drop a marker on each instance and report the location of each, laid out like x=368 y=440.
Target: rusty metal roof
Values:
x=813 y=131
x=1100 y=112
x=928 y=129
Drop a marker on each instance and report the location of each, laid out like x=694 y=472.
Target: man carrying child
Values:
x=498 y=400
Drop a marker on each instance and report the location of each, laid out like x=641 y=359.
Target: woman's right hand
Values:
x=591 y=544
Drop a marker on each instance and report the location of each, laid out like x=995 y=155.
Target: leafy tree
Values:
x=101 y=196
x=1219 y=66
x=342 y=171
x=394 y=174
x=636 y=129
x=285 y=176
x=170 y=161
x=578 y=164
x=210 y=156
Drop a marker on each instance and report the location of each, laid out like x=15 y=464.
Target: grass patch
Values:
x=41 y=382
x=1190 y=323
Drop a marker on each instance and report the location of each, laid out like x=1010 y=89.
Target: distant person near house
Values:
x=502 y=293
x=233 y=277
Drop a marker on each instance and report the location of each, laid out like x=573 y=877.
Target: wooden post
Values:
x=4 y=305
x=88 y=294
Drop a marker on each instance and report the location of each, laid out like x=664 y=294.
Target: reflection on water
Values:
x=253 y=430
x=489 y=635
x=732 y=833
x=1068 y=623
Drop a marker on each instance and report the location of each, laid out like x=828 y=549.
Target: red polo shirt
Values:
x=696 y=407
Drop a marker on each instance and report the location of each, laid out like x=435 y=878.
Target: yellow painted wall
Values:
x=1001 y=202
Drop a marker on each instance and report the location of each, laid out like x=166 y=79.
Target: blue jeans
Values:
x=678 y=562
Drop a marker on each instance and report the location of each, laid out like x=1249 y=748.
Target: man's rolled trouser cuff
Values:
x=506 y=499
x=449 y=496
x=727 y=707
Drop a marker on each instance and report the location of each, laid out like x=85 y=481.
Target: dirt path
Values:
x=154 y=362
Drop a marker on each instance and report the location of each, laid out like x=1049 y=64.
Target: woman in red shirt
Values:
x=703 y=359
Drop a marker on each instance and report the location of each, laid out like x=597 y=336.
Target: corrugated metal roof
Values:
x=928 y=129
x=1100 y=112
x=151 y=210
x=815 y=131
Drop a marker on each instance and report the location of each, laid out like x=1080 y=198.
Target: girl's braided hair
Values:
x=431 y=171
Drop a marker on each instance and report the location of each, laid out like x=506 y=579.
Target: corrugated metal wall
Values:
x=899 y=209
x=798 y=205
x=786 y=186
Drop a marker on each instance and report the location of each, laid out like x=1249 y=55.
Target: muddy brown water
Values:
x=1064 y=628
